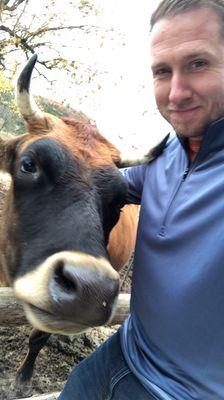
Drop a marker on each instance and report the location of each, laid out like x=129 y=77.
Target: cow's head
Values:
x=65 y=197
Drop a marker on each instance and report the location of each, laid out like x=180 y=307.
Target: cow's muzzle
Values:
x=69 y=292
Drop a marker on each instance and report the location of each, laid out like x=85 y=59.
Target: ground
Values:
x=54 y=362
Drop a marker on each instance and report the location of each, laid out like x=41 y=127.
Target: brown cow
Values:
x=61 y=242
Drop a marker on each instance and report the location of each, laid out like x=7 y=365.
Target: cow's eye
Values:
x=28 y=166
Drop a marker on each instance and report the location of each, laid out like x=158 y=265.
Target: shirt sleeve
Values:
x=134 y=177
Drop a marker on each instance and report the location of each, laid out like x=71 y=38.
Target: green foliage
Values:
x=10 y=120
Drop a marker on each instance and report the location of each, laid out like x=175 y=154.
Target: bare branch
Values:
x=16 y=4
x=40 y=33
x=3 y=5
x=59 y=28
x=21 y=13
x=22 y=41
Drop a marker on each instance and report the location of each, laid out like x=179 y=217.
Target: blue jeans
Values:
x=104 y=375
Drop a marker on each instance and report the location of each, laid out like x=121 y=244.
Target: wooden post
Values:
x=11 y=311
x=50 y=396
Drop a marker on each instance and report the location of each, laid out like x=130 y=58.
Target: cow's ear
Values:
x=2 y=153
x=8 y=149
x=141 y=156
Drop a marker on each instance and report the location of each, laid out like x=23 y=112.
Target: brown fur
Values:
x=123 y=236
x=86 y=143
x=4 y=185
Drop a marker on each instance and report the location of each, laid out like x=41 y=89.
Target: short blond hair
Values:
x=171 y=8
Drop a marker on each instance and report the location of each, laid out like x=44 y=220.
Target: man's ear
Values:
x=8 y=147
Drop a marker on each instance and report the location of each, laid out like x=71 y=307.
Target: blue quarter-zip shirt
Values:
x=173 y=340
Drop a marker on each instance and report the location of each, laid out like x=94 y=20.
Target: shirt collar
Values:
x=213 y=138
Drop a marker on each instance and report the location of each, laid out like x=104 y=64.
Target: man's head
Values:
x=187 y=48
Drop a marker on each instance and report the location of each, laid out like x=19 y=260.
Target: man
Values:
x=172 y=346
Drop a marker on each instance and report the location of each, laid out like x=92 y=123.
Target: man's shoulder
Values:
x=168 y=143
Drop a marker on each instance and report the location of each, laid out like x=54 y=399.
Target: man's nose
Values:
x=180 y=90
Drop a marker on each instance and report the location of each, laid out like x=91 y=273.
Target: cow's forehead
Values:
x=83 y=141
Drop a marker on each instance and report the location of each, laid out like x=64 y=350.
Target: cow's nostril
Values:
x=65 y=279
x=82 y=290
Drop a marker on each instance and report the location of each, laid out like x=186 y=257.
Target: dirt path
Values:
x=54 y=362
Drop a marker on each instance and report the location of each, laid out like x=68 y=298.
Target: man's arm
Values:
x=134 y=177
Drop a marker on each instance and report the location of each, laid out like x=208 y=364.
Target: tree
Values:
x=24 y=30
x=75 y=47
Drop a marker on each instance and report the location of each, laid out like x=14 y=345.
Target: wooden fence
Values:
x=11 y=311
x=51 y=396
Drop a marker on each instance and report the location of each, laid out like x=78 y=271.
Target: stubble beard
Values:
x=197 y=130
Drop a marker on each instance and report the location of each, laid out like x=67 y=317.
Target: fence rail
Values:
x=11 y=311
x=50 y=396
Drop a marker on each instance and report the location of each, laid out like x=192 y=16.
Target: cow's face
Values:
x=60 y=209
x=65 y=197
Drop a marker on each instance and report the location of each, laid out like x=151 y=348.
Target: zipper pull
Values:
x=185 y=174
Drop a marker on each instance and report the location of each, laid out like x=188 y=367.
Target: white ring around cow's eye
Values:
x=28 y=166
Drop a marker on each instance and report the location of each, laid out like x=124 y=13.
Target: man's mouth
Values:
x=183 y=112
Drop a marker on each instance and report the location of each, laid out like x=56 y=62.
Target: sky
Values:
x=124 y=106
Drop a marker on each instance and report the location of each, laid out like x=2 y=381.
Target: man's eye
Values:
x=160 y=72
x=198 y=64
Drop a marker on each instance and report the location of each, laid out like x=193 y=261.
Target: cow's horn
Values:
x=141 y=157
x=26 y=103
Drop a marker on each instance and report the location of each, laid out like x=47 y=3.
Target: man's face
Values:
x=188 y=70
